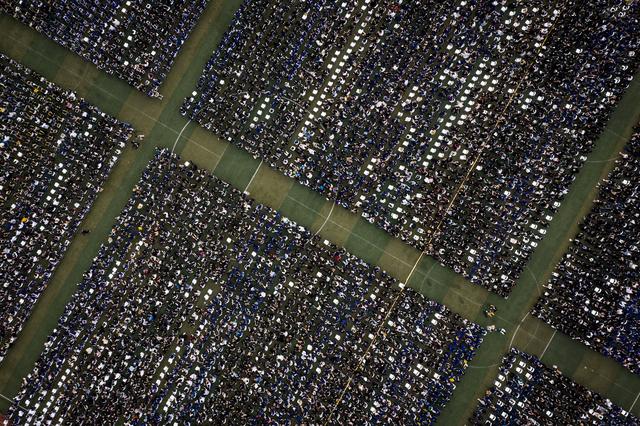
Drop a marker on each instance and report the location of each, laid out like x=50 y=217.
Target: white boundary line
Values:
x=633 y=405
x=548 y=343
x=414 y=268
x=179 y=134
x=18 y=405
x=252 y=177
x=333 y=205
x=516 y=331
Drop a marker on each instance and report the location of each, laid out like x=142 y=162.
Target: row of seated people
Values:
x=56 y=152
x=455 y=125
x=204 y=307
x=544 y=137
x=135 y=40
x=528 y=392
x=594 y=294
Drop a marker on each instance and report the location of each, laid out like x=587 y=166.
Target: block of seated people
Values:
x=528 y=392
x=135 y=40
x=454 y=125
x=594 y=293
x=56 y=151
x=204 y=306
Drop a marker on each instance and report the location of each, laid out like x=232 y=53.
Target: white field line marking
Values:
x=516 y=331
x=548 y=343
x=414 y=268
x=179 y=134
x=633 y=405
x=325 y=220
x=252 y=177
x=16 y=404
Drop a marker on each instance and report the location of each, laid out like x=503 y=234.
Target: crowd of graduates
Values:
x=204 y=307
x=135 y=40
x=594 y=294
x=56 y=151
x=528 y=392
x=455 y=125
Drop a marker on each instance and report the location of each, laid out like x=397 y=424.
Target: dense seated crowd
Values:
x=206 y=308
x=135 y=40
x=455 y=125
x=55 y=153
x=594 y=294
x=528 y=392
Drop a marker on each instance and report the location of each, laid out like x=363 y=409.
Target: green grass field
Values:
x=163 y=126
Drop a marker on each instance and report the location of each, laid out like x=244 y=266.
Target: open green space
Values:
x=164 y=126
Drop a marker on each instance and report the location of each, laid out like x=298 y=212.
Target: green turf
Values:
x=303 y=206
x=21 y=37
x=236 y=167
x=161 y=122
x=39 y=48
x=269 y=187
x=367 y=241
x=425 y=279
x=479 y=376
x=398 y=258
x=336 y=223
x=76 y=75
